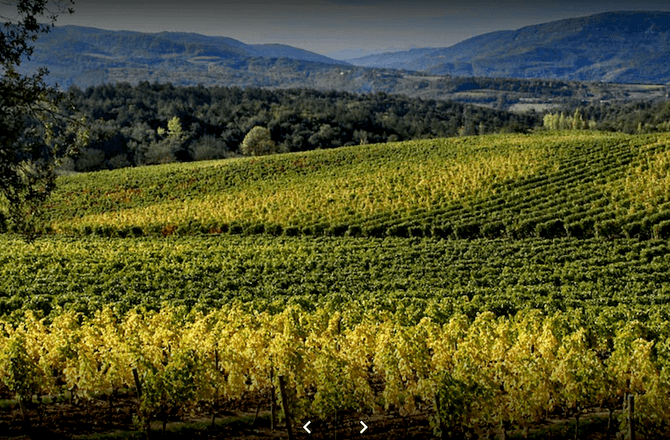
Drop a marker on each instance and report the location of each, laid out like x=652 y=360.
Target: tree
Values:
x=578 y=122
x=258 y=142
x=33 y=134
x=209 y=147
x=165 y=150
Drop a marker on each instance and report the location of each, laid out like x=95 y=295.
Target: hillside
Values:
x=87 y=56
x=621 y=47
x=553 y=220
x=570 y=184
x=527 y=274
x=82 y=57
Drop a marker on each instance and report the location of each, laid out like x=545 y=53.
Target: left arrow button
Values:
x=305 y=427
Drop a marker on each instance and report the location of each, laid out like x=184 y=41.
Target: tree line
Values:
x=628 y=117
x=161 y=123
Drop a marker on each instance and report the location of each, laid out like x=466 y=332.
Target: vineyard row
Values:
x=472 y=375
x=548 y=186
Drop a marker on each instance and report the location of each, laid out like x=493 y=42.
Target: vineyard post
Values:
x=24 y=413
x=273 y=416
x=216 y=389
x=138 y=384
x=41 y=408
x=284 y=402
x=109 y=407
x=631 y=417
x=503 y=430
x=258 y=410
x=440 y=423
x=610 y=414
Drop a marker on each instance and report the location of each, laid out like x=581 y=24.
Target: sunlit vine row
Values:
x=471 y=375
x=420 y=276
x=544 y=185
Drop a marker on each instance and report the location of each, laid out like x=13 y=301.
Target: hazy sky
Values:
x=339 y=28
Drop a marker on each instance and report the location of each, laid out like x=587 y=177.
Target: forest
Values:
x=129 y=124
x=632 y=117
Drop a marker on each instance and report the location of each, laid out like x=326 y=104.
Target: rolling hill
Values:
x=621 y=47
x=617 y=47
x=546 y=185
x=525 y=256
x=506 y=221
x=86 y=56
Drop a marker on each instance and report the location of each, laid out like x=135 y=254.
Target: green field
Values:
x=505 y=186
x=562 y=236
x=414 y=277
x=550 y=220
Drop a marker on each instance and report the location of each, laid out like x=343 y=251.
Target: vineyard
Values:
x=470 y=377
x=412 y=278
x=484 y=286
x=574 y=184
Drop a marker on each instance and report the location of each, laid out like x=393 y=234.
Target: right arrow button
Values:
x=364 y=427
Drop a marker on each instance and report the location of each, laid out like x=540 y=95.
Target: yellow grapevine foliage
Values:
x=331 y=186
x=491 y=371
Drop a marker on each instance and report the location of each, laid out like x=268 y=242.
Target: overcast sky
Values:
x=339 y=28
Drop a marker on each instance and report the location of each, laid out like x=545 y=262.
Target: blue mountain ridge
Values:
x=616 y=47
x=79 y=40
x=627 y=47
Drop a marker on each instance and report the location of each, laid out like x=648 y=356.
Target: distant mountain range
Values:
x=90 y=56
x=623 y=47
x=144 y=47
